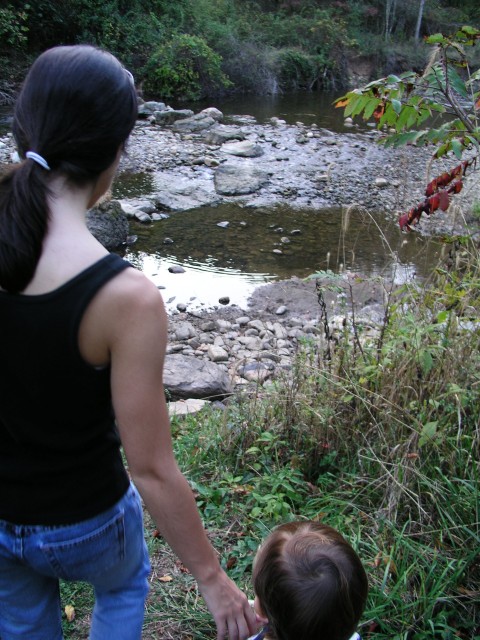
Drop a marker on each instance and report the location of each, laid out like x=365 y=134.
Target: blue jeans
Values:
x=107 y=551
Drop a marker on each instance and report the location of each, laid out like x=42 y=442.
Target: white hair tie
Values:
x=38 y=159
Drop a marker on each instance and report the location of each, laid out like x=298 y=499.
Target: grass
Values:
x=377 y=435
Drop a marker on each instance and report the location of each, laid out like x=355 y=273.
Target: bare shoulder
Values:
x=132 y=297
x=128 y=308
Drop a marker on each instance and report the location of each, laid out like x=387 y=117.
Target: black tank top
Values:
x=60 y=459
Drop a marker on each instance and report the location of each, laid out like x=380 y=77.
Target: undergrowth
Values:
x=374 y=433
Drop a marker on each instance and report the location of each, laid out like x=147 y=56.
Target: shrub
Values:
x=186 y=68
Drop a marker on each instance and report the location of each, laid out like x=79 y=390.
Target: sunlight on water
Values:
x=264 y=245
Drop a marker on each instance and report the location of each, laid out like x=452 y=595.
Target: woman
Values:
x=81 y=332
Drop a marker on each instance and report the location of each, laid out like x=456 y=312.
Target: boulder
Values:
x=108 y=223
x=234 y=179
x=191 y=377
x=223 y=133
x=169 y=116
x=244 y=149
x=198 y=122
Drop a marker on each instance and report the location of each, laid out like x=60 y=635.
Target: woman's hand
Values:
x=229 y=607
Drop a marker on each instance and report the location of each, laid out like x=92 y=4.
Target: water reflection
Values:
x=309 y=107
x=263 y=245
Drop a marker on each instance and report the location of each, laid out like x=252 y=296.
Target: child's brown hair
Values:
x=309 y=583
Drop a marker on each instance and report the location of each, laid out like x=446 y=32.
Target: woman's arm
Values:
x=137 y=347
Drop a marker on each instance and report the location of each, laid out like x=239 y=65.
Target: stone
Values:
x=108 y=224
x=195 y=123
x=176 y=269
x=186 y=407
x=192 y=377
x=255 y=372
x=217 y=354
x=244 y=149
x=217 y=135
x=169 y=116
x=233 y=179
x=184 y=330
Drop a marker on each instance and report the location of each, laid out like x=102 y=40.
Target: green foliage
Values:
x=13 y=26
x=447 y=86
x=297 y=70
x=185 y=67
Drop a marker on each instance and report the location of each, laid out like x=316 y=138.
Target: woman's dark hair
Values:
x=310 y=583
x=76 y=108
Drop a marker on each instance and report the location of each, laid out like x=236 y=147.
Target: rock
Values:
x=213 y=112
x=148 y=108
x=176 y=269
x=108 y=223
x=186 y=407
x=191 y=377
x=182 y=194
x=244 y=149
x=170 y=116
x=184 y=330
x=255 y=372
x=233 y=180
x=222 y=133
x=217 y=354
x=224 y=224
x=381 y=183
x=195 y=123
x=224 y=300
x=182 y=307
x=281 y=310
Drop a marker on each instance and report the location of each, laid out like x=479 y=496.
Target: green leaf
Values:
x=392 y=79
x=426 y=361
x=370 y=107
x=397 y=106
x=442 y=316
x=360 y=105
x=436 y=38
x=404 y=117
x=457 y=147
x=429 y=431
x=457 y=83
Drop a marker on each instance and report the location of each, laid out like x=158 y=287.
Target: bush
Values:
x=13 y=27
x=186 y=68
x=297 y=70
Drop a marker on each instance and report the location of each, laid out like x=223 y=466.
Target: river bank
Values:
x=200 y=159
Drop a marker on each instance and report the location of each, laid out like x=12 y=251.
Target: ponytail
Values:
x=23 y=224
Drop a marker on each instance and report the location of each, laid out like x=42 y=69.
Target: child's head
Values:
x=309 y=583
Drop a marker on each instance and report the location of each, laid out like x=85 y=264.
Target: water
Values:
x=232 y=261
x=301 y=106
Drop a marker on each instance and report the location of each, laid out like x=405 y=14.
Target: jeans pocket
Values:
x=90 y=554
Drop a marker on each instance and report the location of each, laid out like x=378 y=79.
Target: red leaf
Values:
x=434 y=202
x=431 y=188
x=379 y=111
x=444 y=200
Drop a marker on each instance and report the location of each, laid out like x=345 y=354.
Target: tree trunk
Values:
x=419 y=20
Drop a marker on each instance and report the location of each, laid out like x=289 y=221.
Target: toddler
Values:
x=309 y=583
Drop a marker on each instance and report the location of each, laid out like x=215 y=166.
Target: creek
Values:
x=258 y=245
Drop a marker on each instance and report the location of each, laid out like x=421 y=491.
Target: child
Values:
x=309 y=584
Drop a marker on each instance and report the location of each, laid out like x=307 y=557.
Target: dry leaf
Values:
x=166 y=579
x=70 y=612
